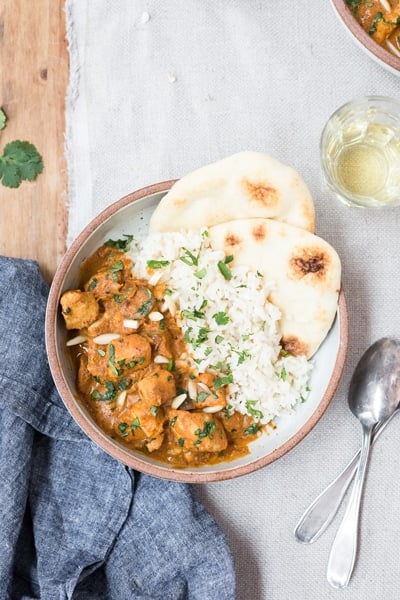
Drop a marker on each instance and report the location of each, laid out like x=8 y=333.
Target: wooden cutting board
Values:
x=33 y=83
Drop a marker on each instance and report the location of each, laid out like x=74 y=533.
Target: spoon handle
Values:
x=344 y=547
x=319 y=515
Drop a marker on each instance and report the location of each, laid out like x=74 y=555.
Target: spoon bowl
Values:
x=374 y=390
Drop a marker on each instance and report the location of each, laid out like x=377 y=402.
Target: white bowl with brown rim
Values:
x=130 y=215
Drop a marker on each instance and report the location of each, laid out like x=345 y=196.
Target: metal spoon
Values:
x=321 y=512
x=373 y=396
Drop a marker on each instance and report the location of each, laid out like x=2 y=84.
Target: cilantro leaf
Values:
x=120 y=244
x=3 y=119
x=221 y=318
x=20 y=161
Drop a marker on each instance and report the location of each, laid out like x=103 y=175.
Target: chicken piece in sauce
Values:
x=141 y=424
x=79 y=309
x=237 y=425
x=120 y=357
x=156 y=388
x=208 y=394
x=197 y=431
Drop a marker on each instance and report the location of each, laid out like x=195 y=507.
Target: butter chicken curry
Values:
x=133 y=371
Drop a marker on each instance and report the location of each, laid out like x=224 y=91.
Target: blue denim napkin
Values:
x=75 y=523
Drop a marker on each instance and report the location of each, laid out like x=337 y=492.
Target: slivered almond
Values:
x=212 y=409
x=79 y=339
x=170 y=305
x=156 y=316
x=106 y=338
x=392 y=48
x=121 y=399
x=178 y=400
x=130 y=323
x=204 y=387
x=192 y=389
x=161 y=360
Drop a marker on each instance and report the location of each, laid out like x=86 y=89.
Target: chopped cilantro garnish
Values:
x=221 y=318
x=224 y=270
x=93 y=284
x=145 y=308
x=251 y=429
x=374 y=24
x=207 y=431
x=135 y=362
x=189 y=258
x=243 y=354
x=250 y=404
x=202 y=396
x=200 y=274
x=108 y=396
x=219 y=382
x=135 y=424
x=157 y=264
x=123 y=429
x=117 y=266
x=153 y=410
x=120 y=244
x=123 y=384
x=202 y=337
x=192 y=314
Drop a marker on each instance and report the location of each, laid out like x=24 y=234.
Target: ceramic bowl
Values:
x=131 y=215
x=378 y=53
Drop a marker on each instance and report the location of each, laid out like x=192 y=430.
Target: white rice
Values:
x=246 y=349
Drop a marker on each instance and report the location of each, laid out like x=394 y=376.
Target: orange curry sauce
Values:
x=129 y=379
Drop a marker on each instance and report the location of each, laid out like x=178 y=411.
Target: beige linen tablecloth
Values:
x=160 y=88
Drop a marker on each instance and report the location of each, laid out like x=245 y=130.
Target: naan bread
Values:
x=245 y=185
x=305 y=269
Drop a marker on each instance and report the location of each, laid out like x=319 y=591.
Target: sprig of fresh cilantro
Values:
x=20 y=160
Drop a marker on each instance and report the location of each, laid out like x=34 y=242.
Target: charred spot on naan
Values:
x=231 y=240
x=295 y=346
x=262 y=192
x=311 y=262
x=259 y=232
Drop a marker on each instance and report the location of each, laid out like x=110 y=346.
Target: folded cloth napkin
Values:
x=75 y=523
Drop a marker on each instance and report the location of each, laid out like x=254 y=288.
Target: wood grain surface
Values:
x=33 y=83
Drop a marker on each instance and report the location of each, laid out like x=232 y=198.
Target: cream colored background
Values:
x=151 y=99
